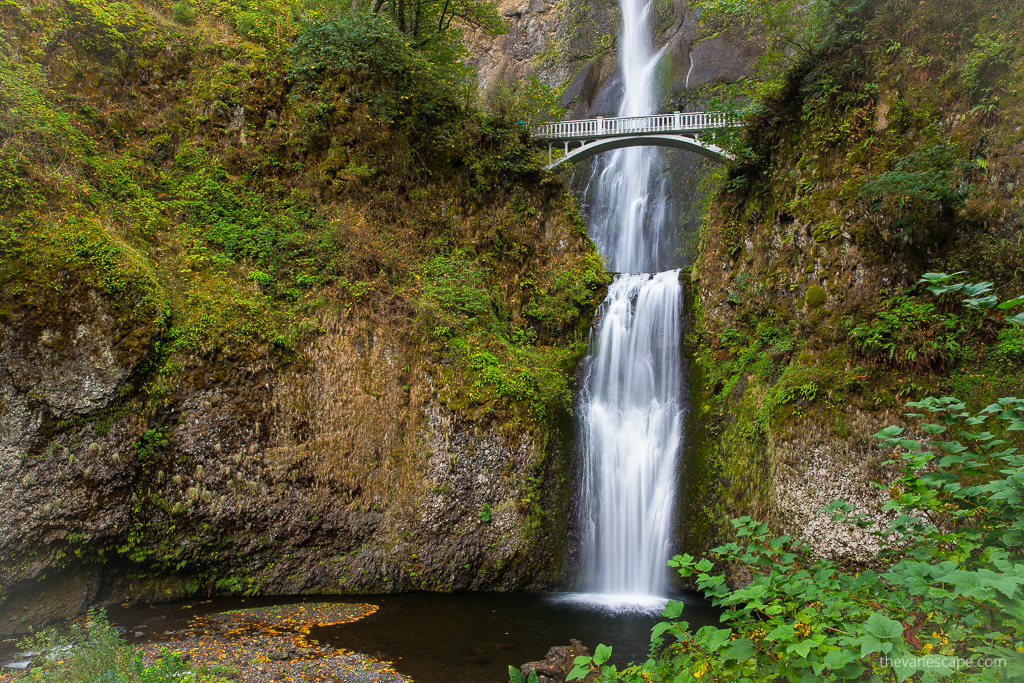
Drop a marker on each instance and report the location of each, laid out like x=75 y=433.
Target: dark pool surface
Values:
x=439 y=637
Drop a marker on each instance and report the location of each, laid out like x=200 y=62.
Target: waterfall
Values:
x=630 y=405
x=626 y=211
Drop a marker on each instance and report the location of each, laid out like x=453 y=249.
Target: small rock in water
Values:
x=555 y=667
x=139 y=634
x=17 y=665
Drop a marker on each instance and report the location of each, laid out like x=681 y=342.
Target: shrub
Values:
x=93 y=651
x=989 y=53
x=528 y=102
x=183 y=13
x=928 y=176
x=367 y=56
x=909 y=334
x=257 y=26
x=454 y=296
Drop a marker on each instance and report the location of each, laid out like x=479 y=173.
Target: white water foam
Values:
x=614 y=603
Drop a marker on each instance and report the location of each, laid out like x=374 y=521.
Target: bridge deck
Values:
x=678 y=123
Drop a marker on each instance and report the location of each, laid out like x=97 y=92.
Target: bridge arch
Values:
x=679 y=130
x=590 y=148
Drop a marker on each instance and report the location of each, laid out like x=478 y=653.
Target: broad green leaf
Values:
x=711 y=638
x=740 y=649
x=672 y=610
x=839 y=657
x=601 y=654
x=580 y=668
x=1011 y=303
x=515 y=676
x=905 y=666
x=883 y=627
x=977 y=288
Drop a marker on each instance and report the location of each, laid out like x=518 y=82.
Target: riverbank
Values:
x=265 y=645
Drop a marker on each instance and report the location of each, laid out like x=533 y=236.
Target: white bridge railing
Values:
x=678 y=122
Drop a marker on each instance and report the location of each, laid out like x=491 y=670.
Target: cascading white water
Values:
x=632 y=427
x=631 y=409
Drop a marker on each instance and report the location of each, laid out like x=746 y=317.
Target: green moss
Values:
x=814 y=297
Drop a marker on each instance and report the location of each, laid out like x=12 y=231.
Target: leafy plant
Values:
x=516 y=676
x=183 y=13
x=454 y=296
x=528 y=102
x=93 y=651
x=989 y=52
x=910 y=334
x=485 y=513
x=979 y=296
x=370 y=58
x=928 y=176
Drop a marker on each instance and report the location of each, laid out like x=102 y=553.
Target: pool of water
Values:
x=444 y=637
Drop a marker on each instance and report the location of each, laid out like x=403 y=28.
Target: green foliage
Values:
x=108 y=29
x=786 y=31
x=516 y=676
x=559 y=304
x=926 y=177
x=183 y=13
x=371 y=60
x=239 y=585
x=908 y=334
x=758 y=352
x=485 y=513
x=581 y=666
x=94 y=652
x=988 y=54
x=454 y=297
x=437 y=24
x=527 y=102
x=979 y=296
x=227 y=214
x=463 y=317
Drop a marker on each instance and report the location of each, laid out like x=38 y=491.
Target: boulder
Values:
x=557 y=664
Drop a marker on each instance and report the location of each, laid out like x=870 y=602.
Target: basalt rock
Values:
x=558 y=663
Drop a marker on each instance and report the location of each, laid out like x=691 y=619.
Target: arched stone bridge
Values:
x=593 y=136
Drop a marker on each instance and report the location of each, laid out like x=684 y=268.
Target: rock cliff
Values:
x=261 y=339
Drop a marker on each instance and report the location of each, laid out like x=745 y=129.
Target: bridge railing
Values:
x=626 y=125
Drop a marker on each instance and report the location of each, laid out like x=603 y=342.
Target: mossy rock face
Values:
x=216 y=367
x=840 y=238
x=814 y=297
